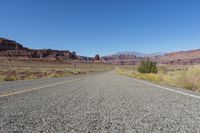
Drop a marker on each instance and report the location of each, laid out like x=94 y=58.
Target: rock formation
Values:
x=12 y=50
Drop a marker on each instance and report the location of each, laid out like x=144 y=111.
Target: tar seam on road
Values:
x=37 y=88
x=168 y=89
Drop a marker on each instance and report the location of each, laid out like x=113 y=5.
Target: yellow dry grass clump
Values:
x=188 y=78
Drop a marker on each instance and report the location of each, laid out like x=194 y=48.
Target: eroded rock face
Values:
x=6 y=44
x=189 y=57
x=12 y=50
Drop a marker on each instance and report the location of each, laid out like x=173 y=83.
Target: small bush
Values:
x=1 y=79
x=10 y=79
x=147 y=67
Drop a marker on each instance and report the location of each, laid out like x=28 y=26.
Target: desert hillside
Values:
x=182 y=57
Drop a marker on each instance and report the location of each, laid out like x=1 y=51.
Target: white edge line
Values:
x=168 y=89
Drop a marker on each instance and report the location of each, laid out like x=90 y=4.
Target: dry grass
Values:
x=179 y=76
x=29 y=71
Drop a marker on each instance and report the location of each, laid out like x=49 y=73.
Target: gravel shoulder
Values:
x=104 y=102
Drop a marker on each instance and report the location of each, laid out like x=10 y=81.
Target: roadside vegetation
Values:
x=147 y=66
x=29 y=71
x=172 y=75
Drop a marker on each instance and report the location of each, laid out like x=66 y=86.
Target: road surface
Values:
x=103 y=102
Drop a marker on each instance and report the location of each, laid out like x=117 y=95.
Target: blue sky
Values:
x=103 y=26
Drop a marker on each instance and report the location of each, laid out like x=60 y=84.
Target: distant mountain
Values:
x=131 y=57
x=138 y=54
x=122 y=58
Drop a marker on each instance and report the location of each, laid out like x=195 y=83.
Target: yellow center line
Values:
x=37 y=88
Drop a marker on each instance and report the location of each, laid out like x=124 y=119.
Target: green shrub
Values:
x=147 y=66
x=10 y=79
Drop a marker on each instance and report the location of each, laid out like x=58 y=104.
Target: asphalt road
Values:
x=104 y=102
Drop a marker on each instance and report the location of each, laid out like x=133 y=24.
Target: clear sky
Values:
x=102 y=26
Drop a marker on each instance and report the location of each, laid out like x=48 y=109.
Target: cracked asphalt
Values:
x=97 y=103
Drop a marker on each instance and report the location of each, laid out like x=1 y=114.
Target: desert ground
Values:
x=28 y=70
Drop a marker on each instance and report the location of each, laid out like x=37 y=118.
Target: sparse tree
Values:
x=97 y=57
x=74 y=56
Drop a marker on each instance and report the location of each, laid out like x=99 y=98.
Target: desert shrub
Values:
x=147 y=67
x=1 y=79
x=168 y=79
x=62 y=73
x=150 y=77
x=10 y=78
x=76 y=72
